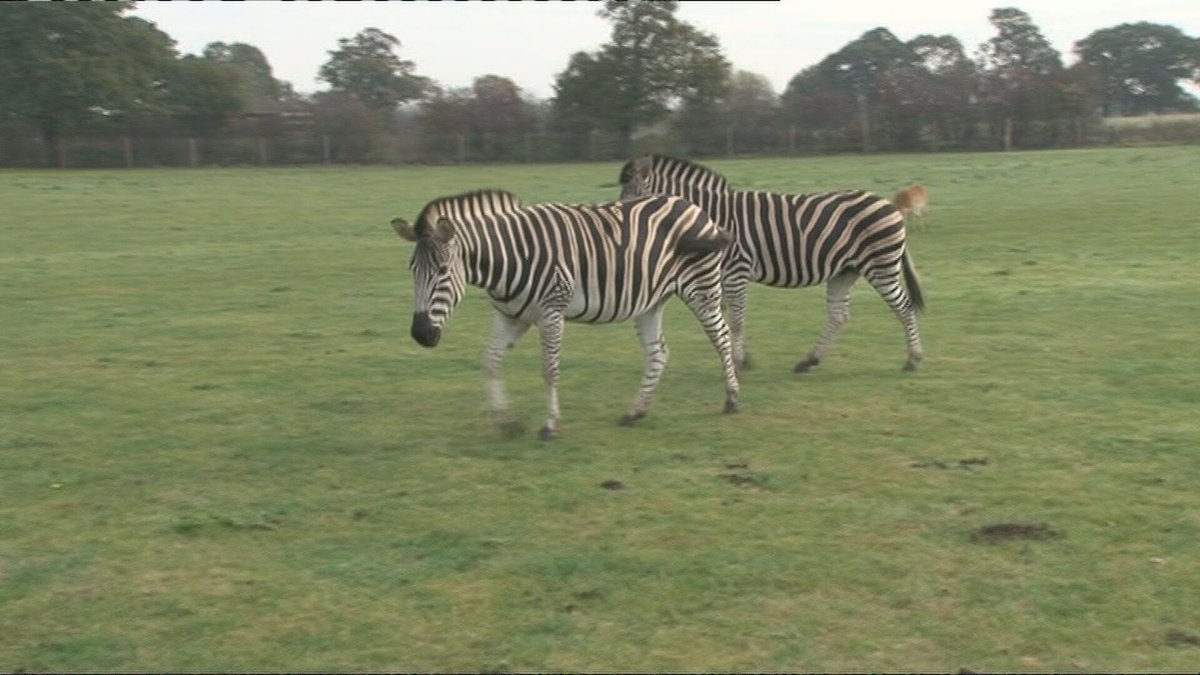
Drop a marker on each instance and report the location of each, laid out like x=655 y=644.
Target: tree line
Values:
x=96 y=69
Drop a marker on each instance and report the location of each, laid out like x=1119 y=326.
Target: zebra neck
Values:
x=486 y=253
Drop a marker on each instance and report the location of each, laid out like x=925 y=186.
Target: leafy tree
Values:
x=501 y=116
x=202 y=94
x=1019 y=68
x=1018 y=46
x=64 y=65
x=492 y=116
x=750 y=101
x=871 y=74
x=500 y=104
x=880 y=71
x=653 y=62
x=1079 y=97
x=584 y=100
x=356 y=132
x=447 y=112
x=1140 y=67
x=819 y=107
x=746 y=115
x=448 y=119
x=947 y=87
x=257 y=84
x=368 y=68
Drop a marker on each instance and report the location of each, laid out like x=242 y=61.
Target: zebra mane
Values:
x=476 y=202
x=673 y=167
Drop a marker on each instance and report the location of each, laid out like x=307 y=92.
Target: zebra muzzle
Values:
x=423 y=331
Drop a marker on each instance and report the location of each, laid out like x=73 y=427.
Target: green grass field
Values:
x=221 y=451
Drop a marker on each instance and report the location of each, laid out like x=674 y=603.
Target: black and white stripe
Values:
x=792 y=240
x=547 y=264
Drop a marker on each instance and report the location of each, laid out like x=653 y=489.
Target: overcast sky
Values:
x=530 y=42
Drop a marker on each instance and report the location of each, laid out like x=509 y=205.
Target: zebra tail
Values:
x=911 y=282
x=705 y=243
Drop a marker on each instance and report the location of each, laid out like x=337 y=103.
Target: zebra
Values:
x=792 y=240
x=550 y=263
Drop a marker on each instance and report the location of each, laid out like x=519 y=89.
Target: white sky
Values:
x=530 y=42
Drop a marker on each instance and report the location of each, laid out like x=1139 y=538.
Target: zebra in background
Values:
x=546 y=264
x=788 y=241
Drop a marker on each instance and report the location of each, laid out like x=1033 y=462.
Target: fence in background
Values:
x=401 y=148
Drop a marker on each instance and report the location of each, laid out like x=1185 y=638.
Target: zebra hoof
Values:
x=547 y=434
x=806 y=365
x=910 y=366
x=511 y=427
x=630 y=420
x=747 y=363
x=731 y=407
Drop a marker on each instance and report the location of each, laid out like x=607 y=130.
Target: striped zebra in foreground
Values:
x=551 y=263
x=789 y=241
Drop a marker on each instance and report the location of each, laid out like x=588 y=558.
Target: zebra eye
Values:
x=442 y=269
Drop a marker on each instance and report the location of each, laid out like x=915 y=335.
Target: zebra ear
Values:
x=443 y=229
x=403 y=229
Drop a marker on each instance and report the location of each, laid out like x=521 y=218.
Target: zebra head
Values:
x=659 y=174
x=439 y=278
x=637 y=179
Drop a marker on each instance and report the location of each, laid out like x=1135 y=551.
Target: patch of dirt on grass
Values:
x=1178 y=638
x=742 y=479
x=998 y=532
x=967 y=463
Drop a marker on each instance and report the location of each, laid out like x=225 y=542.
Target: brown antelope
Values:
x=912 y=201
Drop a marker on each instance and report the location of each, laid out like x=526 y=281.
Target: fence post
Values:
x=262 y=151
x=192 y=158
x=792 y=139
x=60 y=149
x=462 y=147
x=127 y=145
x=325 y=148
x=1007 y=134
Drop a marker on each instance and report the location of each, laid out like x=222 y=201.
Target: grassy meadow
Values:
x=220 y=450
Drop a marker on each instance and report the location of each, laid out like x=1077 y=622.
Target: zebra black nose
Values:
x=423 y=330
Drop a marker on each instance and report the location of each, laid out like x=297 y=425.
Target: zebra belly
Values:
x=585 y=307
x=518 y=308
x=770 y=280
x=797 y=276
x=609 y=305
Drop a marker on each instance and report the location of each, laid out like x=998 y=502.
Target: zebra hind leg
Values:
x=837 y=302
x=735 y=295
x=505 y=333
x=898 y=299
x=654 y=345
x=707 y=308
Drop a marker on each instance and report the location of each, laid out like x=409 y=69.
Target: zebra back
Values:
x=466 y=206
x=657 y=172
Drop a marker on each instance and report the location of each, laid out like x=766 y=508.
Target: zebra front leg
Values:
x=707 y=309
x=551 y=329
x=654 y=345
x=735 y=291
x=837 y=301
x=505 y=333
